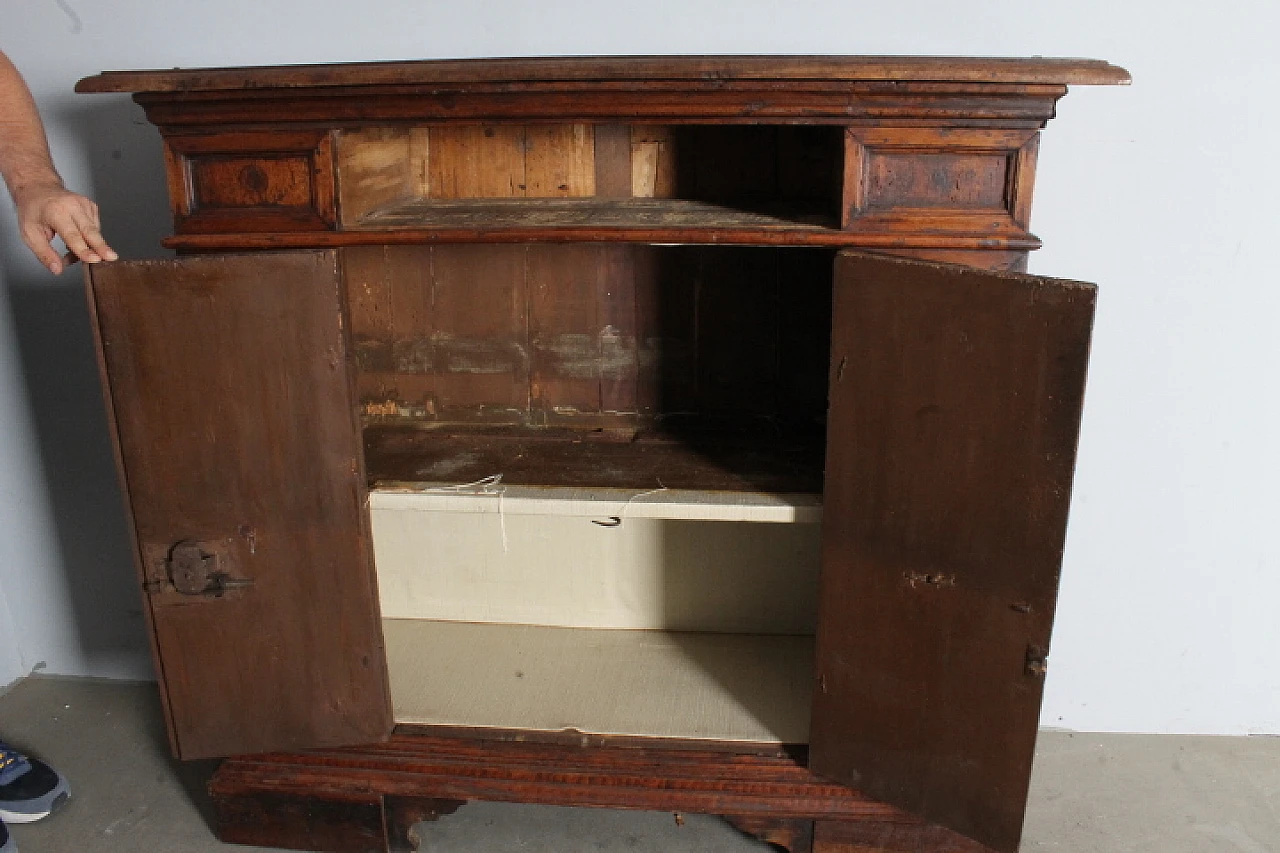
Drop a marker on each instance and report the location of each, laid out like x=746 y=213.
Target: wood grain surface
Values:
x=955 y=408
x=233 y=407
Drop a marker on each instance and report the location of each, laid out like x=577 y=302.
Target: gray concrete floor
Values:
x=1090 y=793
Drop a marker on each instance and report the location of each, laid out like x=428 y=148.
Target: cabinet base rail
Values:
x=370 y=798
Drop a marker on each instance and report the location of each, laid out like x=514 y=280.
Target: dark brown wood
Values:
x=740 y=236
x=537 y=214
x=795 y=836
x=610 y=333
x=331 y=821
x=865 y=837
x=973 y=105
x=647 y=778
x=703 y=459
x=402 y=814
x=494 y=329
x=623 y=68
x=235 y=420
x=955 y=406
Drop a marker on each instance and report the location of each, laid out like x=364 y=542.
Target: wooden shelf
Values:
x=564 y=457
x=720 y=687
x=632 y=213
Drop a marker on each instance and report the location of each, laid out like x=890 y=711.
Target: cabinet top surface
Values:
x=588 y=69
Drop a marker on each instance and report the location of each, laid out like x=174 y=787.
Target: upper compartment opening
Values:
x=591 y=175
x=593 y=365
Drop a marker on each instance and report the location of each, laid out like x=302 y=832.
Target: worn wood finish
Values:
x=583 y=330
x=972 y=244
x=402 y=814
x=264 y=181
x=190 y=348
x=865 y=837
x=704 y=69
x=506 y=316
x=424 y=773
x=651 y=778
x=576 y=457
x=923 y=104
x=795 y=836
x=955 y=407
x=331 y=821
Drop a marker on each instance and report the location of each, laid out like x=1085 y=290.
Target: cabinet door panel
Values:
x=955 y=400
x=231 y=397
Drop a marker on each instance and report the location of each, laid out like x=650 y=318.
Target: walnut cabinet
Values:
x=658 y=433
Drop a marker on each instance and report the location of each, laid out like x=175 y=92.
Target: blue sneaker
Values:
x=7 y=844
x=29 y=789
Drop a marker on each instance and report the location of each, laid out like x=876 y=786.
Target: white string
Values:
x=616 y=520
x=491 y=485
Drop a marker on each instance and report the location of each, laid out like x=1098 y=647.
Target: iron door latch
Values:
x=198 y=568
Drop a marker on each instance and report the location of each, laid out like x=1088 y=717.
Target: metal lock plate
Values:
x=192 y=567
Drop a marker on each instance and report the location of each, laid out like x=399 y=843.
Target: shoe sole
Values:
x=39 y=808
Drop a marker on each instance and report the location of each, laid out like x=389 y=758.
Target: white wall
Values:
x=1171 y=579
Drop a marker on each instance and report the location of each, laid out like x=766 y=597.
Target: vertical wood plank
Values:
x=374 y=169
x=855 y=180
x=564 y=330
x=480 y=334
x=1022 y=180
x=616 y=316
x=613 y=160
x=369 y=301
x=420 y=161
x=653 y=161
x=477 y=161
x=415 y=383
x=560 y=161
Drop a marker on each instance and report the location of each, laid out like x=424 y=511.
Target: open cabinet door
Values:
x=955 y=400
x=230 y=393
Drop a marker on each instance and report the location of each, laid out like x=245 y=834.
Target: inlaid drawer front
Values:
x=939 y=180
x=251 y=181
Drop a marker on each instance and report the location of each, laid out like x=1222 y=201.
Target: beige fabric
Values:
x=700 y=561
x=664 y=684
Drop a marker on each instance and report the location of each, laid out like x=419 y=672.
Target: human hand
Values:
x=52 y=210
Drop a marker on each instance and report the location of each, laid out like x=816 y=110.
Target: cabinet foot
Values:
x=402 y=814
x=327 y=823
x=795 y=836
x=834 y=836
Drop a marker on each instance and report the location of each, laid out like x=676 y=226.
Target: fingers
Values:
x=92 y=238
x=74 y=224
x=38 y=241
x=73 y=218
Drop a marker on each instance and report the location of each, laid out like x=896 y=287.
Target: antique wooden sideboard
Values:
x=567 y=431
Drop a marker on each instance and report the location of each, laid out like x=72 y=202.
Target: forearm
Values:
x=24 y=154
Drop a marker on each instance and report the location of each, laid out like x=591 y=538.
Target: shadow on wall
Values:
x=58 y=364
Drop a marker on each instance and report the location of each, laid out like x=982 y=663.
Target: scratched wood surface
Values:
x=563 y=334
x=719 y=461
x=955 y=409
x=228 y=382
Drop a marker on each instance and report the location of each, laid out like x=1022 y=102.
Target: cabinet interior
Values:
x=602 y=175
x=596 y=475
